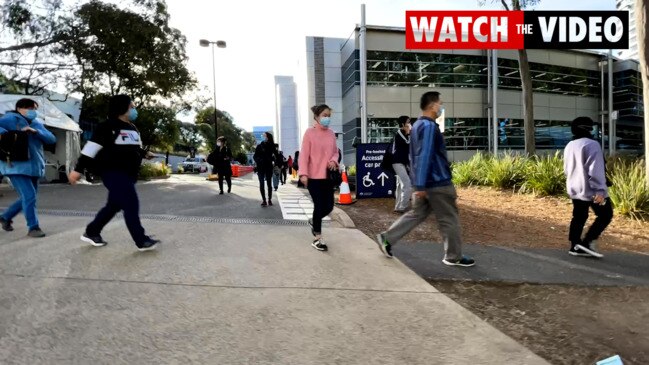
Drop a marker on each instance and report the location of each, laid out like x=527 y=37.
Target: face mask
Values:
x=325 y=122
x=440 y=112
x=31 y=114
x=218 y=144
x=132 y=114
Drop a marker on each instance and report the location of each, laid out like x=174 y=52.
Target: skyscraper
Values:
x=286 y=124
x=632 y=52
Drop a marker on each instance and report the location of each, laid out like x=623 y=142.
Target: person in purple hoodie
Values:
x=586 y=184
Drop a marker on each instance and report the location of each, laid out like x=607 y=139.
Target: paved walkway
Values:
x=516 y=265
x=218 y=293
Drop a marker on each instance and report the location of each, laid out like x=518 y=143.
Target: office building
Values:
x=286 y=125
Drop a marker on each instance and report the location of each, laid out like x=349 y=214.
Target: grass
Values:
x=630 y=192
x=544 y=176
x=471 y=172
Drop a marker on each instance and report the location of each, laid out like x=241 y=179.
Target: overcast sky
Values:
x=267 y=38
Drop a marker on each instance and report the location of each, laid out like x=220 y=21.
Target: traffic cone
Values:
x=345 y=197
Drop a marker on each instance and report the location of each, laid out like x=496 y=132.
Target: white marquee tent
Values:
x=66 y=130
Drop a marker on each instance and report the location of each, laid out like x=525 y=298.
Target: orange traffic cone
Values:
x=345 y=197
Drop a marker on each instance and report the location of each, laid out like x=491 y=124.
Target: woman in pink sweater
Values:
x=319 y=153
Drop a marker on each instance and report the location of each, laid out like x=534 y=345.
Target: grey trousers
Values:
x=442 y=203
x=404 y=188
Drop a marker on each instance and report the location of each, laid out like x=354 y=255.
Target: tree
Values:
x=226 y=127
x=158 y=127
x=191 y=138
x=249 y=141
x=526 y=80
x=642 y=16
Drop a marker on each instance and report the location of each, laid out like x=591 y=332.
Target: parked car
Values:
x=196 y=164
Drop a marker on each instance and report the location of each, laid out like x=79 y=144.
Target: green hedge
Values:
x=543 y=176
x=150 y=170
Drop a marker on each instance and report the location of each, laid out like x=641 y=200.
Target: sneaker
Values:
x=464 y=262
x=264 y=204
x=148 y=244
x=6 y=225
x=96 y=241
x=574 y=251
x=319 y=245
x=589 y=250
x=384 y=245
x=36 y=233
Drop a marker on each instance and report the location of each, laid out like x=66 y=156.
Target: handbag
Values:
x=14 y=146
x=334 y=177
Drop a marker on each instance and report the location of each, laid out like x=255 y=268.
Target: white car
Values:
x=196 y=164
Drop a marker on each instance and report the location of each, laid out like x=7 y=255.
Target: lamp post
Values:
x=220 y=44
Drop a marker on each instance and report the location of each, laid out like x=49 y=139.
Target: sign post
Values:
x=371 y=180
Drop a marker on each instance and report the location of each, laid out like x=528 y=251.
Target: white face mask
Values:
x=218 y=144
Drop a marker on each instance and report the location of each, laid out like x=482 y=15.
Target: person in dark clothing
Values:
x=296 y=168
x=115 y=151
x=401 y=164
x=220 y=160
x=284 y=167
x=277 y=169
x=265 y=157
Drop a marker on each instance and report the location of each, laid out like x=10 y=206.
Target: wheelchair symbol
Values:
x=367 y=181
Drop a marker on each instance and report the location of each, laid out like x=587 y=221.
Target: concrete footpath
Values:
x=218 y=293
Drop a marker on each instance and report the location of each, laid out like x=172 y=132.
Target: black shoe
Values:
x=574 y=251
x=148 y=244
x=384 y=245
x=270 y=202
x=36 y=233
x=96 y=241
x=221 y=193
x=264 y=204
x=229 y=190
x=464 y=262
x=319 y=245
x=6 y=225
x=586 y=247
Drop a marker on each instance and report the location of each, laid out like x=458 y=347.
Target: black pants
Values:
x=580 y=210
x=283 y=176
x=121 y=196
x=322 y=193
x=265 y=177
x=228 y=179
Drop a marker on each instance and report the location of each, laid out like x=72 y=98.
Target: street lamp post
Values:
x=220 y=44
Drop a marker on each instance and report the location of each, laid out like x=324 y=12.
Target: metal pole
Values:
x=601 y=110
x=489 y=106
x=363 y=71
x=216 y=133
x=494 y=97
x=611 y=127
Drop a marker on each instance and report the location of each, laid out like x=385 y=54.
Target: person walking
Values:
x=587 y=186
x=319 y=154
x=24 y=175
x=265 y=157
x=115 y=151
x=401 y=164
x=289 y=163
x=284 y=167
x=220 y=160
x=434 y=190
x=277 y=168
x=296 y=169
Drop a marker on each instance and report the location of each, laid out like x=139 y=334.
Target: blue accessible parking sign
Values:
x=371 y=180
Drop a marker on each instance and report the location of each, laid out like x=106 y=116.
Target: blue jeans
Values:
x=27 y=188
x=121 y=196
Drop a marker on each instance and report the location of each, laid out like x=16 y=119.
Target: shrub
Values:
x=352 y=170
x=472 y=171
x=149 y=170
x=544 y=176
x=630 y=192
x=505 y=172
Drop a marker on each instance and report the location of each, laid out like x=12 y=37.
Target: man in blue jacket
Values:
x=24 y=175
x=434 y=191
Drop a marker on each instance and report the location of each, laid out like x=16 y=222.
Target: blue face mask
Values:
x=440 y=112
x=31 y=114
x=325 y=122
x=132 y=114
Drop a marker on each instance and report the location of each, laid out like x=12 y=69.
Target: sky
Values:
x=267 y=38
